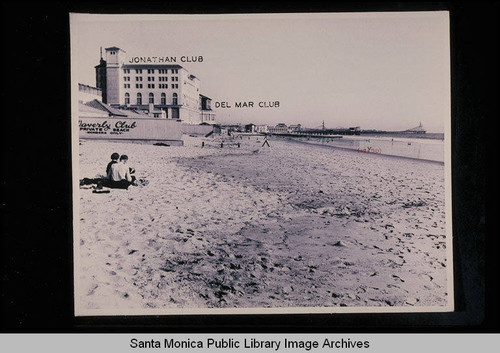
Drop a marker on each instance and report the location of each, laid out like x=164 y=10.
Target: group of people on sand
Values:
x=118 y=175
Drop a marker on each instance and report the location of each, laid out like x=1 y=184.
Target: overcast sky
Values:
x=373 y=70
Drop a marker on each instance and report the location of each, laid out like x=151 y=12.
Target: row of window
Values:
x=152 y=85
x=165 y=71
x=165 y=85
x=151 y=78
x=152 y=71
x=151 y=98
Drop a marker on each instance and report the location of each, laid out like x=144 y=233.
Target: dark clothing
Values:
x=121 y=184
x=88 y=181
x=109 y=166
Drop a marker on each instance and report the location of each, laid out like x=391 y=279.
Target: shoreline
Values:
x=373 y=154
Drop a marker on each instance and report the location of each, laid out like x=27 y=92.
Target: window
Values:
x=126 y=71
x=139 y=98
x=138 y=78
x=151 y=71
x=138 y=85
x=175 y=71
x=163 y=99
x=126 y=85
x=138 y=71
x=174 y=99
x=126 y=78
x=151 y=85
x=127 y=98
x=151 y=78
x=163 y=85
x=175 y=85
x=151 y=98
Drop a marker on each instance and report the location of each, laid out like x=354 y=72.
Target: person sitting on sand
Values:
x=119 y=174
x=114 y=159
x=101 y=181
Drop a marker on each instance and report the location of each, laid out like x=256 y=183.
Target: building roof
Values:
x=82 y=85
x=89 y=89
x=114 y=48
x=136 y=112
x=103 y=107
x=96 y=107
x=85 y=108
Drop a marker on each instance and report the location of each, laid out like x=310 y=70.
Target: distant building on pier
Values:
x=281 y=128
x=416 y=130
x=250 y=128
x=294 y=128
x=263 y=129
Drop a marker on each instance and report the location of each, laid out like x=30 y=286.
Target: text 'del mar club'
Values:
x=248 y=104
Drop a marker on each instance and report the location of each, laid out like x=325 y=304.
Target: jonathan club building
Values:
x=168 y=88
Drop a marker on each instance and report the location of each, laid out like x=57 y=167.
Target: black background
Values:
x=37 y=240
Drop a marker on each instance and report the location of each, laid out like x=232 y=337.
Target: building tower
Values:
x=100 y=77
x=114 y=79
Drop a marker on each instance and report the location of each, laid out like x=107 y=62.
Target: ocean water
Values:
x=430 y=147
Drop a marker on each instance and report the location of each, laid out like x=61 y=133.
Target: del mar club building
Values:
x=168 y=88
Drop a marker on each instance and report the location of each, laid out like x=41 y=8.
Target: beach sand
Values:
x=290 y=225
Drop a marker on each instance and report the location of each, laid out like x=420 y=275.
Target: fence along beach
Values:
x=279 y=226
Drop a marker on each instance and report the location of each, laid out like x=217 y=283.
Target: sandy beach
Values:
x=290 y=225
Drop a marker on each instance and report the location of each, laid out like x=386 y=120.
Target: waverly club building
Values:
x=168 y=88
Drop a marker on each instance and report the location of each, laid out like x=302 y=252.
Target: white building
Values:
x=169 y=88
x=261 y=129
x=295 y=128
x=281 y=128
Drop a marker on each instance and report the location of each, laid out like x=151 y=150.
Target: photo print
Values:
x=261 y=163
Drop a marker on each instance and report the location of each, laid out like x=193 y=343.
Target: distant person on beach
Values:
x=120 y=176
x=114 y=159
